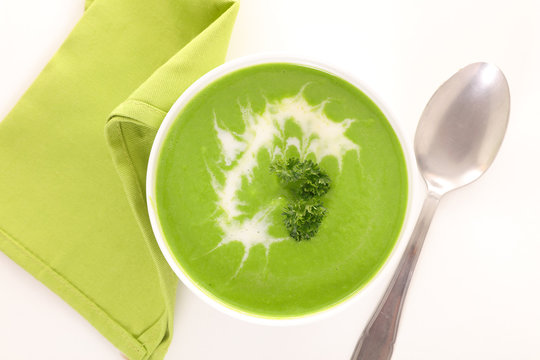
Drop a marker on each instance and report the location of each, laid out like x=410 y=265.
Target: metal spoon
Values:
x=458 y=136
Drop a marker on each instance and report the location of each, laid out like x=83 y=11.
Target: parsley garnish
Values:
x=306 y=183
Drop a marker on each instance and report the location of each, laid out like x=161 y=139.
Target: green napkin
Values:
x=64 y=213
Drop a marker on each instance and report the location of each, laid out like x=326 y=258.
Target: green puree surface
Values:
x=365 y=205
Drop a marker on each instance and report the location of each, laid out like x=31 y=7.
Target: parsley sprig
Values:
x=306 y=183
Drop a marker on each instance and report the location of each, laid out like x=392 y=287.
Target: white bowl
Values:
x=171 y=116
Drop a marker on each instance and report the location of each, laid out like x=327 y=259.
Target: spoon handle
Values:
x=377 y=340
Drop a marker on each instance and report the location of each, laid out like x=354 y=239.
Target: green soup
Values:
x=220 y=207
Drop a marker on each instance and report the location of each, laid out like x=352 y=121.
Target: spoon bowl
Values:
x=462 y=127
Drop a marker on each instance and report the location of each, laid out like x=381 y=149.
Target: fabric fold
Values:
x=64 y=213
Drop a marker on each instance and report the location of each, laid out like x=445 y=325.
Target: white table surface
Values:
x=476 y=291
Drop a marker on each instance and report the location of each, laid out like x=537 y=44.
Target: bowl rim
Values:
x=170 y=117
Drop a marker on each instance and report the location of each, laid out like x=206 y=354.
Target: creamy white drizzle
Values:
x=266 y=132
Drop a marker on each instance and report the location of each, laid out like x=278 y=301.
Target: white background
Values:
x=476 y=291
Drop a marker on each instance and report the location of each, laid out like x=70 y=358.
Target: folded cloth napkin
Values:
x=64 y=213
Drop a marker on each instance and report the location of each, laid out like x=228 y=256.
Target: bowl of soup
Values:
x=277 y=188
